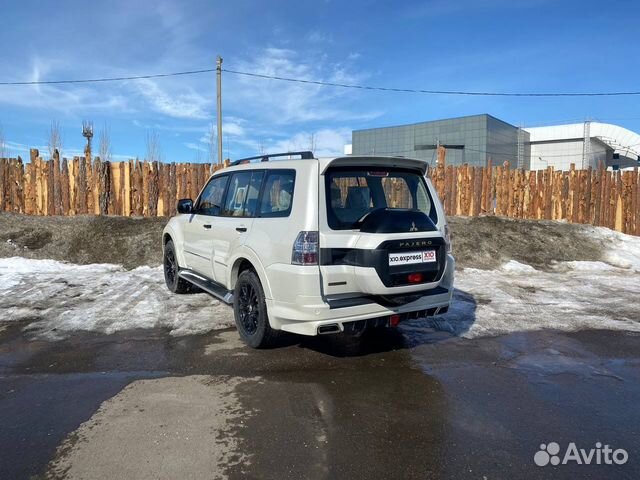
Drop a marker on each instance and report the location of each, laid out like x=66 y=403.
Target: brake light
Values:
x=305 y=249
x=447 y=237
x=414 y=278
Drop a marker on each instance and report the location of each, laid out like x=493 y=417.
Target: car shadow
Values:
x=410 y=334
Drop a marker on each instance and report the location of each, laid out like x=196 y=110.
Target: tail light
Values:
x=305 y=249
x=447 y=237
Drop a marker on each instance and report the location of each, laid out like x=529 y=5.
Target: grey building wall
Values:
x=472 y=140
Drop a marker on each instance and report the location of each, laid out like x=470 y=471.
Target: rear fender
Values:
x=246 y=253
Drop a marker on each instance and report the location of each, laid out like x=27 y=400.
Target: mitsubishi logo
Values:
x=413 y=227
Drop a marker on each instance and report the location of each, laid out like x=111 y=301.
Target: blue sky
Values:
x=493 y=45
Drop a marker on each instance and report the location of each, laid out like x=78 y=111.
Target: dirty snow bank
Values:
x=568 y=296
x=57 y=298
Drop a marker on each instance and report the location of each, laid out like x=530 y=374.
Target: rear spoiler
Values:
x=357 y=161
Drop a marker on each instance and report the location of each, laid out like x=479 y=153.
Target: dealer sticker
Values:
x=408 y=258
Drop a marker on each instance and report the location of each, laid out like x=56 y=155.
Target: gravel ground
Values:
x=484 y=242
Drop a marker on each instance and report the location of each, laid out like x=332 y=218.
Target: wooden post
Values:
x=137 y=199
x=82 y=186
x=64 y=188
x=154 y=191
x=126 y=196
x=606 y=200
x=173 y=189
x=635 y=207
x=618 y=205
x=104 y=179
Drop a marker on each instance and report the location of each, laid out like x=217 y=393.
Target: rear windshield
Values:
x=352 y=193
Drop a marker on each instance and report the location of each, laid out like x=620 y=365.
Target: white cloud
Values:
x=232 y=128
x=186 y=104
x=196 y=146
x=60 y=98
x=316 y=36
x=324 y=143
x=282 y=102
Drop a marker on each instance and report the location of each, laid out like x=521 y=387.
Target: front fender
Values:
x=174 y=230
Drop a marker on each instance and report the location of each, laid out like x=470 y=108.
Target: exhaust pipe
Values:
x=327 y=329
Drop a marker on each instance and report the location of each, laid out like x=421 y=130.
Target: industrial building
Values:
x=584 y=144
x=476 y=139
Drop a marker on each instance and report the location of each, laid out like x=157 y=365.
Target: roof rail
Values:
x=306 y=155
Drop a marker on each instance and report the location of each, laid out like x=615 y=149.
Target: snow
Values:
x=572 y=296
x=626 y=251
x=57 y=298
x=517 y=267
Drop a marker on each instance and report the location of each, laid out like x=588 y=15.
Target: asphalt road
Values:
x=409 y=403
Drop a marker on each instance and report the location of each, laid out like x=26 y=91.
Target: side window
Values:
x=236 y=195
x=211 y=199
x=277 y=194
x=251 y=205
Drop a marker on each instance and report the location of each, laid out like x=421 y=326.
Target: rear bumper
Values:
x=305 y=313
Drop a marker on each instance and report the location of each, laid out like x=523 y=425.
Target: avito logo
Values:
x=550 y=454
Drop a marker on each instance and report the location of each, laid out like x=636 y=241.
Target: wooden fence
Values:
x=77 y=186
x=597 y=197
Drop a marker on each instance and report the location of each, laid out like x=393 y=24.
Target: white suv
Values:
x=314 y=246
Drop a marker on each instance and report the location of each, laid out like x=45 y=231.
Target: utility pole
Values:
x=219 y=104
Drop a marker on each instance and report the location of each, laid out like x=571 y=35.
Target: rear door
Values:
x=233 y=225
x=380 y=233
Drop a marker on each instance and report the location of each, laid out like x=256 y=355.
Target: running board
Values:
x=209 y=286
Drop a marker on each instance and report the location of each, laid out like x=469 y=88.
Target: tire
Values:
x=170 y=262
x=250 y=312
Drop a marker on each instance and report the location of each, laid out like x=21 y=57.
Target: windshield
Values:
x=354 y=192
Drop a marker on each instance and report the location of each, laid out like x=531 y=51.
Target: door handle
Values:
x=241 y=229
x=207 y=225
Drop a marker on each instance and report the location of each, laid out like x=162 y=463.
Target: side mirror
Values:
x=185 y=205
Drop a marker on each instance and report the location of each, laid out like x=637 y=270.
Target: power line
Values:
x=325 y=84
x=110 y=79
x=433 y=92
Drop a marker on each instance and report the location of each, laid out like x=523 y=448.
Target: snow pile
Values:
x=572 y=296
x=57 y=298
x=625 y=251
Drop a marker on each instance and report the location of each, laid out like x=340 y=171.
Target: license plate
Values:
x=409 y=258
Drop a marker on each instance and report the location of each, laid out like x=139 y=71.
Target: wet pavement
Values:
x=409 y=403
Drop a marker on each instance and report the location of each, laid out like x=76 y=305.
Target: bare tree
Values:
x=154 y=152
x=55 y=138
x=104 y=147
x=211 y=141
x=198 y=156
x=4 y=151
x=312 y=142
